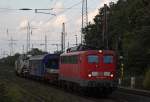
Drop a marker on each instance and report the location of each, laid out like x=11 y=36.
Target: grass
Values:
x=16 y=89
x=146 y=82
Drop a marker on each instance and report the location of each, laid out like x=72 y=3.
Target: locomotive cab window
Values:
x=93 y=59
x=108 y=59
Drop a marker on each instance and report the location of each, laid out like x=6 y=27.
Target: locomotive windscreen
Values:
x=108 y=59
x=93 y=59
x=52 y=64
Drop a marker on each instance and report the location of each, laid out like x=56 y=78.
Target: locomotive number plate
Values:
x=100 y=73
x=95 y=73
x=106 y=73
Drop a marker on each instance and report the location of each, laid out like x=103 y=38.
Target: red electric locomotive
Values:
x=89 y=69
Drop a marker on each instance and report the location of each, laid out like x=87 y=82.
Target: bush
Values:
x=146 y=82
x=3 y=93
x=10 y=93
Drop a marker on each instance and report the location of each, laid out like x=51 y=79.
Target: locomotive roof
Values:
x=82 y=52
x=73 y=53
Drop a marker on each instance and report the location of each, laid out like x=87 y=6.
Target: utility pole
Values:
x=29 y=33
x=7 y=32
x=62 y=42
x=105 y=28
x=1 y=52
x=23 y=49
x=76 y=39
x=28 y=37
x=63 y=38
x=84 y=18
x=68 y=44
x=11 y=43
x=12 y=46
x=45 y=43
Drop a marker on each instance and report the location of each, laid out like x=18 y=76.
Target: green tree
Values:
x=128 y=33
x=36 y=51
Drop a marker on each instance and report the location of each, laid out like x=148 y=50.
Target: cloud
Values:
x=59 y=20
x=54 y=22
x=58 y=8
x=23 y=23
x=37 y=25
x=92 y=14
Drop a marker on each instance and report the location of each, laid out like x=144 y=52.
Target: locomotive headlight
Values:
x=89 y=75
x=111 y=75
x=100 y=51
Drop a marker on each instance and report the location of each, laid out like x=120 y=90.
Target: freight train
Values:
x=87 y=69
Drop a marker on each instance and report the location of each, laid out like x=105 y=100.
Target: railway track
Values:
x=42 y=98
x=118 y=96
x=50 y=93
x=135 y=91
x=127 y=95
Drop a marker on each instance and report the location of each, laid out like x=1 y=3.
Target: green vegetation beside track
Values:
x=16 y=89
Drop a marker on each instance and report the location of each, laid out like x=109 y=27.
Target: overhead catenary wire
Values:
x=7 y=9
x=69 y=8
x=64 y=11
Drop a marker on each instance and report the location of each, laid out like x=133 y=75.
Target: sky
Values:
x=13 y=23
